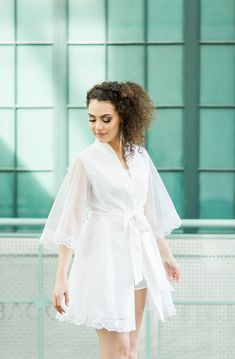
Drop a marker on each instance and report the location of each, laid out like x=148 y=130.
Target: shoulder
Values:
x=140 y=151
x=84 y=154
x=78 y=161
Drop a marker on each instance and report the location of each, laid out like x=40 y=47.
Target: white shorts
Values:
x=141 y=285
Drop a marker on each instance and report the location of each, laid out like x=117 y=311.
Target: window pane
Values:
x=7 y=138
x=80 y=135
x=126 y=63
x=165 y=20
x=217 y=138
x=35 y=86
x=217 y=195
x=90 y=58
x=35 y=194
x=6 y=194
x=165 y=76
x=165 y=138
x=7 y=73
x=217 y=74
x=174 y=185
x=86 y=20
x=125 y=20
x=218 y=20
x=35 y=150
x=6 y=20
x=35 y=20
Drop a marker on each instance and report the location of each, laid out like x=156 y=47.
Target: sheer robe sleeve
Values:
x=64 y=222
x=159 y=208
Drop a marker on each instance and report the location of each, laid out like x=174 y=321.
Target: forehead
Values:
x=98 y=108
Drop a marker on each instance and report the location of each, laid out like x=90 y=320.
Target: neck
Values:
x=116 y=144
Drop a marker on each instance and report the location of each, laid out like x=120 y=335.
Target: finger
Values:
x=58 y=307
x=66 y=297
x=55 y=302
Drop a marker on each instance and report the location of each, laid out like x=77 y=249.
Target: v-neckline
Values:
x=110 y=148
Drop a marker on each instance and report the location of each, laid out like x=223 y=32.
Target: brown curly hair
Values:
x=133 y=105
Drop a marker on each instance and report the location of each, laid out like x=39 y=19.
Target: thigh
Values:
x=140 y=300
x=112 y=343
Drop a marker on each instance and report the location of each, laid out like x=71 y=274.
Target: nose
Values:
x=99 y=127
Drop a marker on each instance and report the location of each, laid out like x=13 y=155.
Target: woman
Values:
x=121 y=258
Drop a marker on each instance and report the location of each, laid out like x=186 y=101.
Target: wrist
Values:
x=61 y=274
x=168 y=257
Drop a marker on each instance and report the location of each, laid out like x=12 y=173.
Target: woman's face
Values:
x=104 y=120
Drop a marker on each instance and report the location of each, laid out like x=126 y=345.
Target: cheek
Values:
x=114 y=127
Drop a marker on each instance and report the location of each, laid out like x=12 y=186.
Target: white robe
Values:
x=112 y=220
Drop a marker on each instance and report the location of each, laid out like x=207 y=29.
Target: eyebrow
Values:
x=109 y=114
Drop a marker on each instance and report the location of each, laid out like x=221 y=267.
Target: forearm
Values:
x=164 y=248
x=64 y=258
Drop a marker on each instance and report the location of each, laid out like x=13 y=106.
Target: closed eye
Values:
x=106 y=121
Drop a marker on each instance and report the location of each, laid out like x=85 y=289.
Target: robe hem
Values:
x=117 y=325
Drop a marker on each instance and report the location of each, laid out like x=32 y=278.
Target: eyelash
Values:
x=104 y=121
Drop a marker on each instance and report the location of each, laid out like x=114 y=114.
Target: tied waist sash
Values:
x=135 y=223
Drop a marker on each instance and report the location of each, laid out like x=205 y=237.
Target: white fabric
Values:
x=111 y=218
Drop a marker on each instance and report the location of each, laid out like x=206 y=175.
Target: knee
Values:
x=133 y=347
x=123 y=349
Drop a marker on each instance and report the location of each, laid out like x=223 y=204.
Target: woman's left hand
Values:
x=172 y=268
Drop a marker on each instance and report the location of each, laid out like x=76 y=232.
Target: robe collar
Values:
x=106 y=147
x=103 y=146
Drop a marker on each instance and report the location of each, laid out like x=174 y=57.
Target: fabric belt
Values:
x=135 y=223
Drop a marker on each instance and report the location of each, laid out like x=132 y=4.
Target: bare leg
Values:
x=140 y=299
x=115 y=345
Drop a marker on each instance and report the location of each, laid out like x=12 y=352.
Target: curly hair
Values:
x=133 y=105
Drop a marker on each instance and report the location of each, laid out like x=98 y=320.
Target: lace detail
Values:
x=167 y=229
x=62 y=238
x=52 y=239
x=118 y=325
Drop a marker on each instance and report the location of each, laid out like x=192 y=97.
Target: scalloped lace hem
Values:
x=52 y=239
x=167 y=229
x=117 y=325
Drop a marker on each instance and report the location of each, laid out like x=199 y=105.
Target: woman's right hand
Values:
x=60 y=290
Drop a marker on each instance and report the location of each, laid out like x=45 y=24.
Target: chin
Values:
x=101 y=139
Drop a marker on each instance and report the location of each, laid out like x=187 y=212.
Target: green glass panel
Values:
x=6 y=75
x=6 y=20
x=165 y=20
x=86 y=68
x=174 y=185
x=7 y=138
x=35 y=20
x=35 y=138
x=126 y=63
x=165 y=77
x=217 y=194
x=125 y=20
x=217 y=138
x=35 y=194
x=217 y=74
x=165 y=138
x=6 y=194
x=218 y=20
x=35 y=86
x=86 y=20
x=80 y=135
